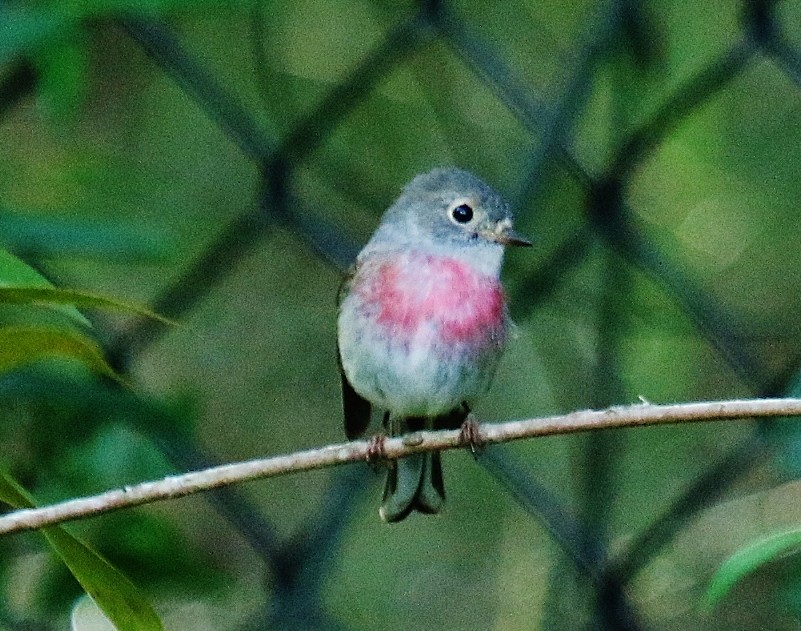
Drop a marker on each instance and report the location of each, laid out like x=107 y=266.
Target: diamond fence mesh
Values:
x=601 y=138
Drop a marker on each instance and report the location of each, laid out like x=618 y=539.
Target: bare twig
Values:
x=332 y=455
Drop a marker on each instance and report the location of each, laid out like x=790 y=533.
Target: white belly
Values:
x=415 y=378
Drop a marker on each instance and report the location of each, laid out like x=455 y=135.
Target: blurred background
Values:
x=222 y=162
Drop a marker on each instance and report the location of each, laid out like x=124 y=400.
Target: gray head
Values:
x=448 y=211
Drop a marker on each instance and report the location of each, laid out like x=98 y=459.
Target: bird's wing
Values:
x=345 y=283
x=356 y=408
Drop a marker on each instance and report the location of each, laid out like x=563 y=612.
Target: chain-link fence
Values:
x=611 y=255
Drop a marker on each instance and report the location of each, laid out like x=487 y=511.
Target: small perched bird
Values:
x=423 y=321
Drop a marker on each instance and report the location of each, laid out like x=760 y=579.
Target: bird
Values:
x=423 y=321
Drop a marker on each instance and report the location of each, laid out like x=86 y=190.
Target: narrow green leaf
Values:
x=749 y=559
x=20 y=345
x=15 y=273
x=51 y=296
x=118 y=598
x=111 y=238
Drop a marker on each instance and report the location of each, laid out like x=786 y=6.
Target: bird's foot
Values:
x=376 y=452
x=470 y=435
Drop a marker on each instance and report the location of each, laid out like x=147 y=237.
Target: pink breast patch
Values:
x=419 y=290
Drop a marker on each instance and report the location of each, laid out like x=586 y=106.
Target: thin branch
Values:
x=332 y=455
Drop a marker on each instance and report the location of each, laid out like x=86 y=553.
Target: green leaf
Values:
x=749 y=559
x=51 y=296
x=21 y=345
x=87 y=238
x=118 y=598
x=15 y=273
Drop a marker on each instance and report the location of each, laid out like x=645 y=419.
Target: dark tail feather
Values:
x=431 y=493
x=413 y=483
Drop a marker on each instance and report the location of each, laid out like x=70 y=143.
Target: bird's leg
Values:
x=376 y=453
x=470 y=432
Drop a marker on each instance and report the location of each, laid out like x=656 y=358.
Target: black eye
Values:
x=462 y=213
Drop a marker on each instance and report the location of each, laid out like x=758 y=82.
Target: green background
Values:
x=119 y=172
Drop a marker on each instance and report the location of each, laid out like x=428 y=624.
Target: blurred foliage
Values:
x=120 y=600
x=222 y=161
x=749 y=559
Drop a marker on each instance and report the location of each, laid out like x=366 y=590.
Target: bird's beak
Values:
x=510 y=237
x=504 y=234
